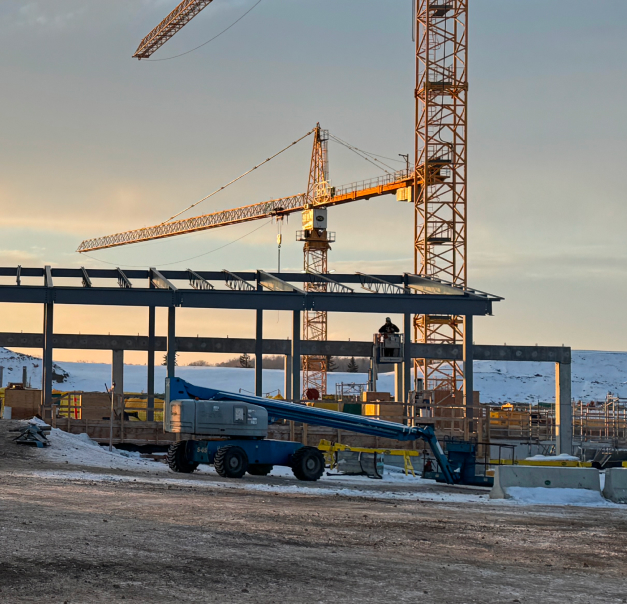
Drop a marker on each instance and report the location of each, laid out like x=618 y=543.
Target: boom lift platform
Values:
x=241 y=423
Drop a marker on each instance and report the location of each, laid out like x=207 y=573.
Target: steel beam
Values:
x=380 y=286
x=547 y=354
x=123 y=280
x=431 y=285
x=275 y=284
x=158 y=281
x=86 y=279
x=198 y=282
x=48 y=276
x=237 y=283
x=331 y=285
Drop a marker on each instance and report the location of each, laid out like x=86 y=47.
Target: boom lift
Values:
x=241 y=423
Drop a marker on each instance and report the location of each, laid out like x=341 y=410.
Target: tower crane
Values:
x=436 y=185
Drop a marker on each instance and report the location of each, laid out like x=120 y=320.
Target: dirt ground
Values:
x=80 y=539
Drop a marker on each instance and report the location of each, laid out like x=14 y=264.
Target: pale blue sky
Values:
x=93 y=142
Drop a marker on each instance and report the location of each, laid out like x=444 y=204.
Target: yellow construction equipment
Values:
x=330 y=449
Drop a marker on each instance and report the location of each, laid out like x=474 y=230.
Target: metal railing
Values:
x=386 y=179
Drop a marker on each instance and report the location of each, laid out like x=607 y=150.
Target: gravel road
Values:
x=87 y=540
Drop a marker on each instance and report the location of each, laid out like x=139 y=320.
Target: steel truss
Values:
x=173 y=23
x=440 y=179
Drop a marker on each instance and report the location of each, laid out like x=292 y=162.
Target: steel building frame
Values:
x=405 y=294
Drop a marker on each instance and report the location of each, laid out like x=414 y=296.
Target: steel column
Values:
x=117 y=378
x=398 y=382
x=407 y=360
x=259 y=353
x=287 y=383
x=171 y=354
x=150 y=411
x=468 y=383
x=46 y=386
x=296 y=356
x=563 y=409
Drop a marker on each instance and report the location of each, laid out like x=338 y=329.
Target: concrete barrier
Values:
x=615 y=488
x=543 y=477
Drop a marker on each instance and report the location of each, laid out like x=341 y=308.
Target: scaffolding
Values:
x=603 y=422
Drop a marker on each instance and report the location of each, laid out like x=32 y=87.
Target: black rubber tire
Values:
x=260 y=469
x=177 y=458
x=231 y=462
x=308 y=464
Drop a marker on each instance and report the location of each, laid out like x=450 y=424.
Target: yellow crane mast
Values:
x=317 y=243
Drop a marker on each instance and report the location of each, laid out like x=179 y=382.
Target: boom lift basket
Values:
x=388 y=348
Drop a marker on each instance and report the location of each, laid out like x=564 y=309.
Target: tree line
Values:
x=334 y=364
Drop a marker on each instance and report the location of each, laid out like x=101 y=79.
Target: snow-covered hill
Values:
x=594 y=374
x=14 y=363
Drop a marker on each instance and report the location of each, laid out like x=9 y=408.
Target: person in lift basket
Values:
x=388 y=328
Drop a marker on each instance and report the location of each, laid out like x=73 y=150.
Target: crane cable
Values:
x=184 y=259
x=373 y=155
x=207 y=42
x=360 y=153
x=236 y=179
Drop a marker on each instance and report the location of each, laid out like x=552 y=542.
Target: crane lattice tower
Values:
x=316 y=248
x=440 y=180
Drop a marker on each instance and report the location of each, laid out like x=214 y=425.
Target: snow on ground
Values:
x=560 y=457
x=560 y=497
x=345 y=489
x=79 y=451
x=594 y=374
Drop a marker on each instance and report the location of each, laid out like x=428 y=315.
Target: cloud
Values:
x=53 y=15
x=13 y=257
x=563 y=262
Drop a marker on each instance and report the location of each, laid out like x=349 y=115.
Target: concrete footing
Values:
x=543 y=477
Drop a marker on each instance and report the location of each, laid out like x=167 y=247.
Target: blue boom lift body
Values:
x=263 y=453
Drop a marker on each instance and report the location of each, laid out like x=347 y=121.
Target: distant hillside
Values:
x=14 y=362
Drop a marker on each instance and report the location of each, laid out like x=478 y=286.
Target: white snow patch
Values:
x=561 y=457
x=80 y=450
x=290 y=488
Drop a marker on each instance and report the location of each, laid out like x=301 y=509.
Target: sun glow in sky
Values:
x=92 y=142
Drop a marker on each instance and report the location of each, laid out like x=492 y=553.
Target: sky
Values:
x=93 y=142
